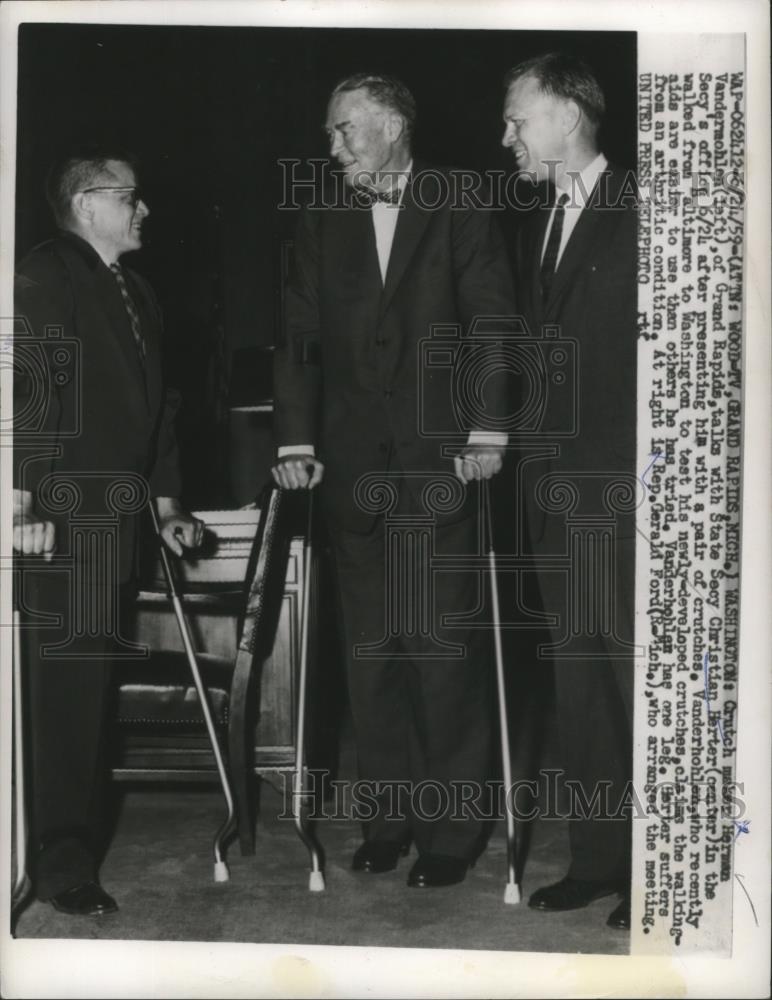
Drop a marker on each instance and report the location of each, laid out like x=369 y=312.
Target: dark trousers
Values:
x=594 y=700
x=66 y=700
x=422 y=717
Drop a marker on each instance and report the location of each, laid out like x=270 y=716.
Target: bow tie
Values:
x=368 y=196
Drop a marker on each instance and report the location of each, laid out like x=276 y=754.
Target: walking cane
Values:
x=512 y=891
x=316 y=876
x=220 y=867
x=21 y=884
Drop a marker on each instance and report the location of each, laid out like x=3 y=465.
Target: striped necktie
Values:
x=549 y=262
x=131 y=310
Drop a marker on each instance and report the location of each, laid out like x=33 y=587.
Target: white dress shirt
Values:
x=578 y=187
x=385 y=216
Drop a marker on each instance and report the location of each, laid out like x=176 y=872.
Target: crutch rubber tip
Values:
x=221 y=872
x=316 y=882
x=512 y=894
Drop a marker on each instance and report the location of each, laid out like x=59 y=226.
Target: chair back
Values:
x=231 y=590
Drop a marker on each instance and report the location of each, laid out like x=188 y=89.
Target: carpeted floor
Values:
x=159 y=868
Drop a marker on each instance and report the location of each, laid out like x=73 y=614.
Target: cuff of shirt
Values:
x=490 y=439
x=296 y=449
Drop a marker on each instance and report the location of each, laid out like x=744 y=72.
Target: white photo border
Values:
x=161 y=969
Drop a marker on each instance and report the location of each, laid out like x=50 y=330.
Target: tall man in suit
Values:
x=93 y=433
x=576 y=270
x=373 y=272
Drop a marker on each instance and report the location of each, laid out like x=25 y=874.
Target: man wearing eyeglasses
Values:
x=93 y=422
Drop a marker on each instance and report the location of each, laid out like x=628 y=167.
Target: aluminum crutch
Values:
x=21 y=885
x=220 y=866
x=316 y=876
x=512 y=891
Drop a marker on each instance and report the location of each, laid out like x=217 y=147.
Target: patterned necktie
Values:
x=367 y=197
x=549 y=262
x=131 y=309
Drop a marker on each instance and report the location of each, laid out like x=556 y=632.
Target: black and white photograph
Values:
x=385 y=492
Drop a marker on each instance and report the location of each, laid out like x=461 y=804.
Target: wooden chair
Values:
x=243 y=596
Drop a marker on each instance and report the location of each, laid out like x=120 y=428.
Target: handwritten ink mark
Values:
x=655 y=456
x=747 y=896
x=742 y=827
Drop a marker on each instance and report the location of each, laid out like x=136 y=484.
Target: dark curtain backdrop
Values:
x=210 y=111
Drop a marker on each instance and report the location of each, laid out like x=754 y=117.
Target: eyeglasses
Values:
x=135 y=196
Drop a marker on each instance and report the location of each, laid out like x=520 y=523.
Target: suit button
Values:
x=382 y=447
x=380 y=342
x=388 y=393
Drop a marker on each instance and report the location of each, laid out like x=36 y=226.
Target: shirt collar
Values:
x=402 y=178
x=580 y=185
x=83 y=247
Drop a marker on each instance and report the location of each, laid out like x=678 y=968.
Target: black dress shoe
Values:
x=435 y=870
x=572 y=894
x=87 y=900
x=377 y=856
x=620 y=917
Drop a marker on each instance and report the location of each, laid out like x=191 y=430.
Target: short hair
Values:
x=76 y=170
x=385 y=90
x=564 y=76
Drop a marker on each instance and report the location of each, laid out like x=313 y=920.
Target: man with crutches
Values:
x=93 y=443
x=383 y=260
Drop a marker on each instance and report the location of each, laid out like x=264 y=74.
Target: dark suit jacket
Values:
x=349 y=376
x=83 y=410
x=593 y=300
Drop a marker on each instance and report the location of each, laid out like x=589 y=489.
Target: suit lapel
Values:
x=151 y=325
x=580 y=244
x=105 y=316
x=352 y=249
x=111 y=302
x=538 y=232
x=411 y=225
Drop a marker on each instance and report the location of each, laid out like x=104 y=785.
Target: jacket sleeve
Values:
x=45 y=364
x=487 y=309
x=165 y=479
x=297 y=380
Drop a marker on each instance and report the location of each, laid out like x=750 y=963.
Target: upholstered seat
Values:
x=161 y=691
